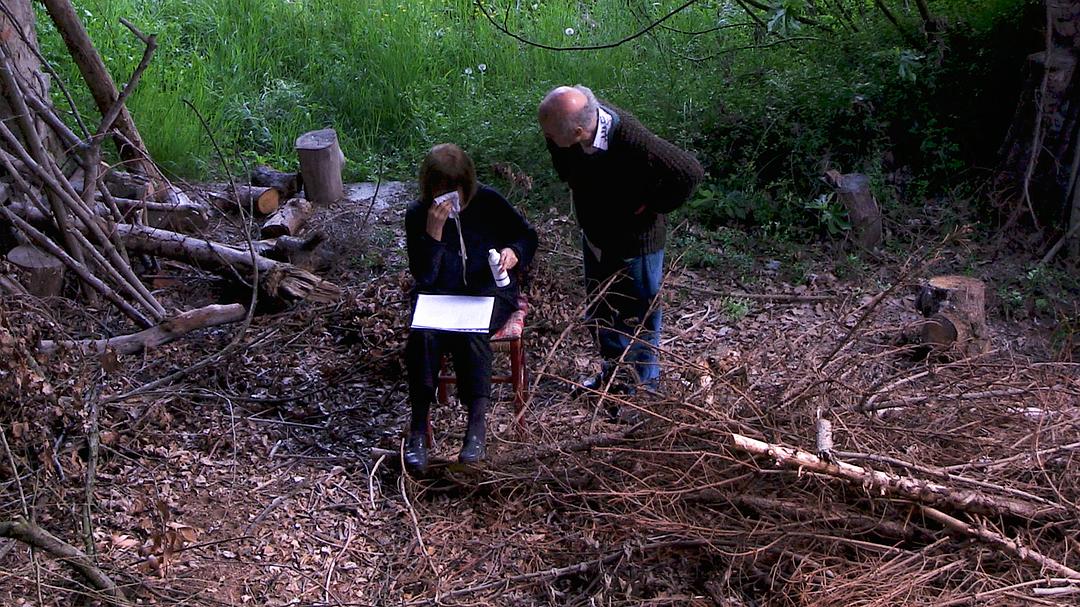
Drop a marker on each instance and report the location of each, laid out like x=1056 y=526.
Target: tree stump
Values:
x=287 y=183
x=321 y=162
x=288 y=220
x=853 y=191
x=955 y=308
x=41 y=273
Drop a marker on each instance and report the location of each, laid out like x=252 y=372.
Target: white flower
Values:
x=569 y=31
x=482 y=67
x=468 y=71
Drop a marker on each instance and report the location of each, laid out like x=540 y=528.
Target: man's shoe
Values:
x=416 y=455
x=597 y=383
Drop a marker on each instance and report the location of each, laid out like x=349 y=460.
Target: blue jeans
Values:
x=627 y=317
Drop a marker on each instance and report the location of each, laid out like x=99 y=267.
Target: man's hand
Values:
x=507 y=259
x=436 y=219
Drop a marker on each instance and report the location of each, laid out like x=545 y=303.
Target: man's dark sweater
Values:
x=610 y=187
x=487 y=222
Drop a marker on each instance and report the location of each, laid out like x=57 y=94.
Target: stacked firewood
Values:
x=64 y=212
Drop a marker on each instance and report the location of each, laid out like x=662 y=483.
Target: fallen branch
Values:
x=276 y=279
x=769 y=297
x=169 y=330
x=1001 y=542
x=36 y=537
x=921 y=491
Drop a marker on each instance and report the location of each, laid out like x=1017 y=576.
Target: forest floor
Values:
x=252 y=480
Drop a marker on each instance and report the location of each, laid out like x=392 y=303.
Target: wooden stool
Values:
x=508 y=339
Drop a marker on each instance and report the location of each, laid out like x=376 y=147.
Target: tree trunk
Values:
x=158 y=335
x=1039 y=158
x=955 y=308
x=276 y=279
x=41 y=274
x=288 y=220
x=321 y=162
x=128 y=142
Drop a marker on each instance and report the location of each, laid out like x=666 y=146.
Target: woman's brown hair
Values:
x=447 y=167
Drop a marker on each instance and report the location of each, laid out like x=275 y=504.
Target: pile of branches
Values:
x=818 y=465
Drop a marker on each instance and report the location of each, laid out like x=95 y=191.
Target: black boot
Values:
x=473 y=449
x=416 y=443
x=416 y=457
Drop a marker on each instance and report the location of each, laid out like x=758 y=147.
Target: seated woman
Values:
x=449 y=256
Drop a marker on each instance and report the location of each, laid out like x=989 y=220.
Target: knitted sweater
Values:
x=611 y=186
x=487 y=222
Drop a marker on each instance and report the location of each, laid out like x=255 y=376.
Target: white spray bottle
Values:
x=501 y=277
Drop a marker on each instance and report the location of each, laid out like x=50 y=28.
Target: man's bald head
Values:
x=567 y=115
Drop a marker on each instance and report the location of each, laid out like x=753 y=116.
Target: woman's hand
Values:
x=507 y=259
x=436 y=219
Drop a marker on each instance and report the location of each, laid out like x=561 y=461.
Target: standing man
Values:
x=623 y=180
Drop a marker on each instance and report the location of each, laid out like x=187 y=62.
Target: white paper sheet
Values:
x=460 y=313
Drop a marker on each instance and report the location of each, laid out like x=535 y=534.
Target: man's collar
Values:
x=604 y=123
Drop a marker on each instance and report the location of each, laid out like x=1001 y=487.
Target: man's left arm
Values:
x=674 y=174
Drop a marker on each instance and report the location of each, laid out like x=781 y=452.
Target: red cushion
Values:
x=515 y=325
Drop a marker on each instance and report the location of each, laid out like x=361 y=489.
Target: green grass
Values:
x=395 y=77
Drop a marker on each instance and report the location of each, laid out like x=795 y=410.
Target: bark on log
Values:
x=276 y=279
x=321 y=162
x=853 y=190
x=167 y=331
x=920 y=491
x=252 y=199
x=300 y=252
x=955 y=308
x=129 y=142
x=288 y=220
x=287 y=183
x=40 y=273
x=179 y=216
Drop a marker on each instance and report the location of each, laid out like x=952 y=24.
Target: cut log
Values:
x=853 y=191
x=955 y=308
x=167 y=331
x=321 y=162
x=288 y=220
x=276 y=279
x=287 y=183
x=180 y=215
x=41 y=273
x=252 y=199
